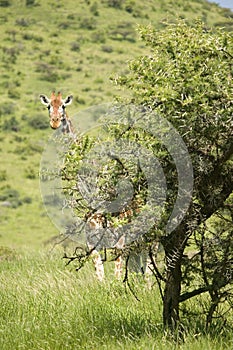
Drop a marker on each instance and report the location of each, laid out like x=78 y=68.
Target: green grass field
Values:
x=74 y=47
x=47 y=306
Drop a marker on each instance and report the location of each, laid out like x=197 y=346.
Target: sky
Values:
x=224 y=3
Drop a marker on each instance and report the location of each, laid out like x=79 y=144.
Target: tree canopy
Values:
x=187 y=78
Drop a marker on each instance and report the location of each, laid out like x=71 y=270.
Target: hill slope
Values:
x=72 y=47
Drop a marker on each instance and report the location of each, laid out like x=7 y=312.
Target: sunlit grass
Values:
x=45 y=305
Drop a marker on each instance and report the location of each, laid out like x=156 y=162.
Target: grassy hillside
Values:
x=74 y=47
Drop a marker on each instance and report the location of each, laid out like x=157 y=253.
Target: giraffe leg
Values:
x=99 y=266
x=118 y=267
x=148 y=273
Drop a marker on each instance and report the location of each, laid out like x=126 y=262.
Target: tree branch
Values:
x=188 y=295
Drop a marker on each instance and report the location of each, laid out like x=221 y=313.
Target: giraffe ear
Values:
x=44 y=100
x=68 y=100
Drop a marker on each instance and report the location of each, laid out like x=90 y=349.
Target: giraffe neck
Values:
x=67 y=126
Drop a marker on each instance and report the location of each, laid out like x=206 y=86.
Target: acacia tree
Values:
x=187 y=78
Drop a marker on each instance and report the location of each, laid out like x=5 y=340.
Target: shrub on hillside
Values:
x=38 y=121
x=32 y=36
x=28 y=149
x=131 y=7
x=5 y=3
x=10 y=54
x=30 y=173
x=123 y=31
x=22 y=22
x=48 y=72
x=64 y=25
x=30 y=2
x=94 y=9
x=11 y=124
x=7 y=108
x=75 y=46
x=13 y=93
x=98 y=36
x=107 y=48
x=114 y=3
x=88 y=23
x=3 y=175
x=10 y=197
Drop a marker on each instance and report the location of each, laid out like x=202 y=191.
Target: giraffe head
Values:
x=56 y=107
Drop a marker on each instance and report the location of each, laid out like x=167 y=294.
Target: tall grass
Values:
x=45 y=305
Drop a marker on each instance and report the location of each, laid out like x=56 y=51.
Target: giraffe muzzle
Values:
x=55 y=124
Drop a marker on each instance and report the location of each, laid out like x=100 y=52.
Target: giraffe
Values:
x=56 y=106
x=59 y=119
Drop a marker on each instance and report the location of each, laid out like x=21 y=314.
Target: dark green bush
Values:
x=11 y=196
x=27 y=200
x=115 y=3
x=11 y=124
x=133 y=8
x=94 y=9
x=80 y=100
x=30 y=173
x=107 y=48
x=71 y=16
x=5 y=3
x=11 y=54
x=3 y=175
x=75 y=46
x=28 y=149
x=7 y=108
x=64 y=25
x=98 y=36
x=38 y=121
x=8 y=193
x=31 y=36
x=123 y=31
x=48 y=72
x=13 y=93
x=88 y=23
x=30 y=2
x=22 y=22
x=19 y=138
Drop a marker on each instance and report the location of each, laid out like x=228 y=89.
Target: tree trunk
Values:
x=174 y=247
x=172 y=296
